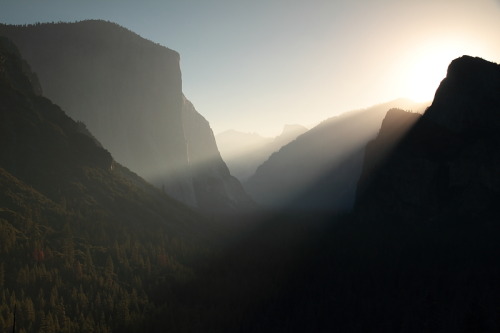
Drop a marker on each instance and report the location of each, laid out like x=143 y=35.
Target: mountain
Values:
x=84 y=242
x=244 y=152
x=320 y=169
x=447 y=164
x=128 y=92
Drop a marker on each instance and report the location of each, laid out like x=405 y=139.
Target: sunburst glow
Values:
x=429 y=66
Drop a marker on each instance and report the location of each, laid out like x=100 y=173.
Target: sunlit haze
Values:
x=255 y=66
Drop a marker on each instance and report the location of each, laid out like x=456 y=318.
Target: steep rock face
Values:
x=43 y=149
x=447 y=165
x=213 y=186
x=319 y=170
x=126 y=89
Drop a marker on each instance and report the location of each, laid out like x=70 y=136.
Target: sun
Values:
x=427 y=65
x=428 y=69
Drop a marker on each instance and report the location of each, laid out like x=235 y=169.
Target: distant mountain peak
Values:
x=293 y=128
x=233 y=132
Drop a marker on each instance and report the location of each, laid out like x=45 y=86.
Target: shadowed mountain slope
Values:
x=319 y=170
x=128 y=92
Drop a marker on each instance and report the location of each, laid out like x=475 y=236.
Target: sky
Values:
x=254 y=66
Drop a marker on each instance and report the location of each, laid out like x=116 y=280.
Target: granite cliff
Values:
x=128 y=92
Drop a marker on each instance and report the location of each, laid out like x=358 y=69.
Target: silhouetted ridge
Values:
x=447 y=165
x=463 y=100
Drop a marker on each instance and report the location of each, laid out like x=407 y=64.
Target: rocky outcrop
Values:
x=127 y=90
x=447 y=165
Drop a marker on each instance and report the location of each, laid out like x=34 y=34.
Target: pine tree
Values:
x=89 y=263
x=2 y=275
x=68 y=245
x=29 y=309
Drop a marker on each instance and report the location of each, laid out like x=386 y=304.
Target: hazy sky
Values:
x=256 y=65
